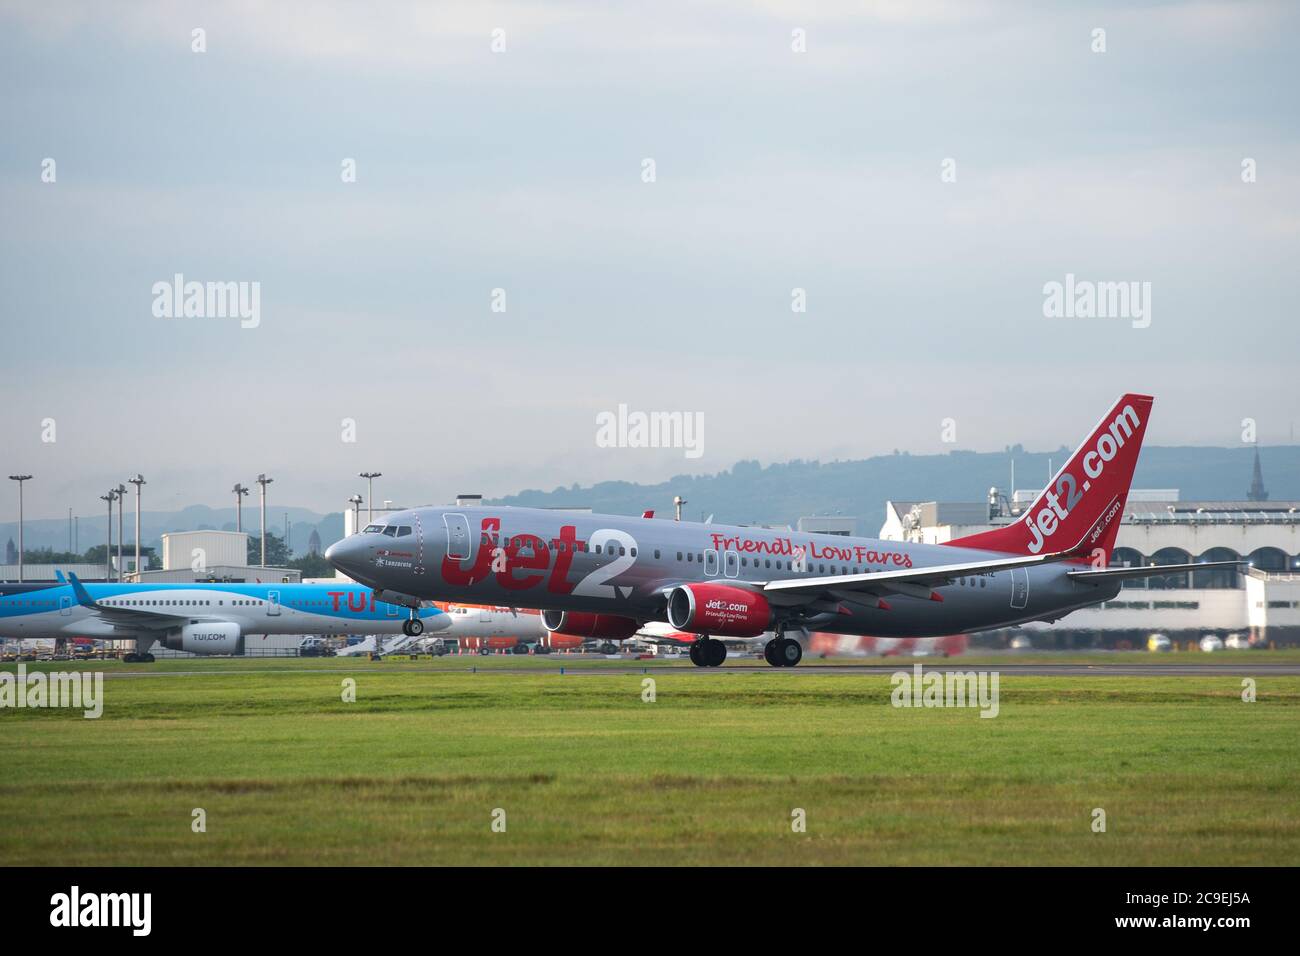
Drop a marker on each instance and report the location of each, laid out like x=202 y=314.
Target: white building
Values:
x=190 y=556
x=183 y=549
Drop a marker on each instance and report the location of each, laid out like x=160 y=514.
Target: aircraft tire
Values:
x=413 y=627
x=696 y=659
x=717 y=653
x=788 y=653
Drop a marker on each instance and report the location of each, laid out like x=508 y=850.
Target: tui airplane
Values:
x=200 y=618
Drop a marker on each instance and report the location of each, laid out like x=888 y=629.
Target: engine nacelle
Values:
x=221 y=638
x=400 y=599
x=718 y=609
x=609 y=627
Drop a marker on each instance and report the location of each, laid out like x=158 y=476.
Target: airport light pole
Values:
x=264 y=481
x=370 y=477
x=678 y=501
x=138 y=481
x=356 y=513
x=121 y=497
x=240 y=491
x=20 y=479
x=108 y=548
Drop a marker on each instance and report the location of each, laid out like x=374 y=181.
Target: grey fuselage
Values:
x=608 y=564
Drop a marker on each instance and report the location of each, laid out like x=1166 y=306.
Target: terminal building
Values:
x=1260 y=604
x=190 y=557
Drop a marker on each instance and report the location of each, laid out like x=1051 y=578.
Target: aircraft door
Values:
x=65 y=606
x=459 y=547
x=732 y=565
x=710 y=563
x=1019 y=588
x=272 y=603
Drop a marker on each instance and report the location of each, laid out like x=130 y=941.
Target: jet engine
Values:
x=718 y=609
x=222 y=638
x=609 y=627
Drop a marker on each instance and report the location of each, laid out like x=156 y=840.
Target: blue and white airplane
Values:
x=200 y=618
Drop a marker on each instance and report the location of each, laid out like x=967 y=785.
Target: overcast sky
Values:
x=523 y=170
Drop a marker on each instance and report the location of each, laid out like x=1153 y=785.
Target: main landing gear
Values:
x=782 y=652
x=707 y=652
x=134 y=658
x=413 y=626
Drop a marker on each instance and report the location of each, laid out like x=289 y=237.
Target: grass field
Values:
x=586 y=772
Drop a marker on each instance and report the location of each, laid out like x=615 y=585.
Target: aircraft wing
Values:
x=1152 y=571
x=128 y=619
x=913 y=582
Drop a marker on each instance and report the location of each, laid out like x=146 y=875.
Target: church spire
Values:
x=1257 y=490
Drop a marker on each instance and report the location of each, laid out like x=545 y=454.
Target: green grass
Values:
x=588 y=773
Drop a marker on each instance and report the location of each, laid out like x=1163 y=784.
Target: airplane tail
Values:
x=1082 y=506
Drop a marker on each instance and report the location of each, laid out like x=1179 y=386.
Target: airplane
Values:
x=487 y=628
x=600 y=575
x=199 y=618
x=850 y=645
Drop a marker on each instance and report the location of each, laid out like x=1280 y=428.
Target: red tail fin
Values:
x=1082 y=506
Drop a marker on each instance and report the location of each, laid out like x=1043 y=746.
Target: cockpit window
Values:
x=391 y=531
x=373 y=529
x=403 y=531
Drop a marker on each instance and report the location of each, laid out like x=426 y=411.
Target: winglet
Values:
x=59 y=576
x=79 y=589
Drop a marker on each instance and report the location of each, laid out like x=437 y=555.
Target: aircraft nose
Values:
x=344 y=555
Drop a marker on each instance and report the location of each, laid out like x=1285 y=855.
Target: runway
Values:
x=1016 y=669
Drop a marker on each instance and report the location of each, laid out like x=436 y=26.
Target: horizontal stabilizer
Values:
x=1152 y=571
